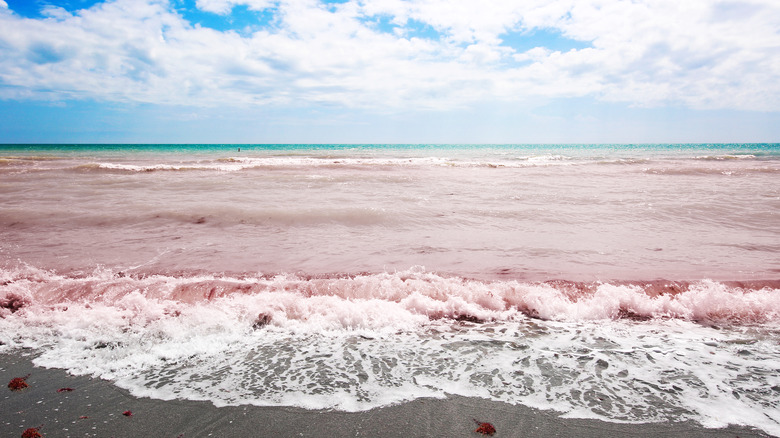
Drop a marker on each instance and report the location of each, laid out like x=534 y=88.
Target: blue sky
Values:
x=389 y=71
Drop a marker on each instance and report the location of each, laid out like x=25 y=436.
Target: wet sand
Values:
x=94 y=408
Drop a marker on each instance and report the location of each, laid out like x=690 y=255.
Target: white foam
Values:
x=357 y=342
x=722 y=157
x=234 y=164
x=347 y=300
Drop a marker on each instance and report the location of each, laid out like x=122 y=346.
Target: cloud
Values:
x=55 y=12
x=698 y=54
x=225 y=6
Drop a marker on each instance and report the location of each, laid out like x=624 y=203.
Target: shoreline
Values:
x=61 y=414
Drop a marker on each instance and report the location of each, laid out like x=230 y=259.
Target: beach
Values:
x=59 y=414
x=389 y=218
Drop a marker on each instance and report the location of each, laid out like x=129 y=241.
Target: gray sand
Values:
x=60 y=414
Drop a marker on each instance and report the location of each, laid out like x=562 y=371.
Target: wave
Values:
x=355 y=162
x=708 y=171
x=32 y=158
x=235 y=164
x=23 y=164
x=414 y=296
x=724 y=157
x=205 y=215
x=637 y=352
x=361 y=159
x=10 y=162
x=134 y=168
x=624 y=161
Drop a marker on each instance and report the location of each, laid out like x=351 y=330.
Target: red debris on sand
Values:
x=485 y=428
x=32 y=433
x=65 y=390
x=18 y=383
x=83 y=417
x=127 y=413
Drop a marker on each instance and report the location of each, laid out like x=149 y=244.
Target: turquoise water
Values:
x=768 y=149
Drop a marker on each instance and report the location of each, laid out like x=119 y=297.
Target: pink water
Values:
x=530 y=215
x=626 y=283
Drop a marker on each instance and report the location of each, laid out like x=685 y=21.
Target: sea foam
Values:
x=414 y=293
x=627 y=352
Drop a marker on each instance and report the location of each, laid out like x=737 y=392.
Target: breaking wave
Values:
x=415 y=295
x=617 y=352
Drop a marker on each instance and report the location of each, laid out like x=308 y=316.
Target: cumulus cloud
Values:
x=699 y=53
x=225 y=6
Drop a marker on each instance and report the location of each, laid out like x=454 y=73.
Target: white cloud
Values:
x=697 y=53
x=225 y=6
x=55 y=12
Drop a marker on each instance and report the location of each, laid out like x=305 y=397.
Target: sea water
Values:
x=634 y=283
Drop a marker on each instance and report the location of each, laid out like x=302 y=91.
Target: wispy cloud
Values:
x=390 y=54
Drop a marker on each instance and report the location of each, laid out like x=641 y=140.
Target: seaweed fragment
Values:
x=13 y=302
x=465 y=317
x=263 y=319
x=65 y=390
x=32 y=433
x=485 y=428
x=18 y=383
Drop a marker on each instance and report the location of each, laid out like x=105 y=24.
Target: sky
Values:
x=389 y=71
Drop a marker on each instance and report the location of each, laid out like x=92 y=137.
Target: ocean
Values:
x=627 y=283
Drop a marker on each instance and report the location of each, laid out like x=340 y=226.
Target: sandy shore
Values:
x=94 y=408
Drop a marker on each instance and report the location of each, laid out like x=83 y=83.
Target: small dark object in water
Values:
x=18 y=383
x=262 y=320
x=127 y=413
x=469 y=318
x=12 y=302
x=626 y=313
x=32 y=433
x=485 y=428
x=65 y=390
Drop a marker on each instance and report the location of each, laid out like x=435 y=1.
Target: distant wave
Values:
x=133 y=168
x=356 y=159
x=234 y=164
x=13 y=162
x=215 y=215
x=33 y=158
x=707 y=171
x=724 y=157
